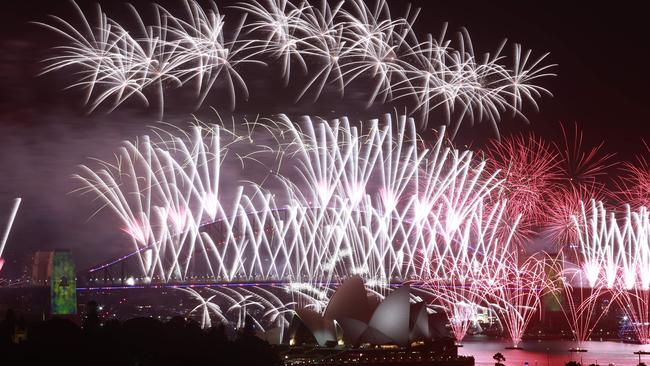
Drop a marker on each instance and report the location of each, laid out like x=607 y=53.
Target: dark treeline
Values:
x=138 y=341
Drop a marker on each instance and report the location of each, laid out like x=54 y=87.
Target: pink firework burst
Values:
x=516 y=291
x=563 y=208
x=634 y=183
x=529 y=167
x=581 y=300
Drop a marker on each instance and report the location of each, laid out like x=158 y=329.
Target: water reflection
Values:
x=553 y=352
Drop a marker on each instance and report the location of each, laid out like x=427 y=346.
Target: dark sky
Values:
x=601 y=50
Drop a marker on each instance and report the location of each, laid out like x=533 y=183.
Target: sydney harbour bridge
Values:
x=351 y=202
x=235 y=262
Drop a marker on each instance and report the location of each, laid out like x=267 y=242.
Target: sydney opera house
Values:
x=355 y=317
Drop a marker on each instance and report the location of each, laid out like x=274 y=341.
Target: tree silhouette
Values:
x=498 y=357
x=90 y=322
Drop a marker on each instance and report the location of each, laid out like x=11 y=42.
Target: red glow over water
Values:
x=553 y=352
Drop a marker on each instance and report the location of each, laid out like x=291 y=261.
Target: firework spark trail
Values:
x=632 y=283
x=601 y=240
x=483 y=89
x=112 y=64
x=612 y=259
x=635 y=303
x=116 y=65
x=204 y=54
x=529 y=167
x=580 y=166
x=564 y=207
x=547 y=181
x=634 y=183
x=7 y=230
x=515 y=292
x=224 y=304
x=232 y=305
x=334 y=45
x=582 y=310
x=283 y=25
x=358 y=202
x=339 y=206
x=579 y=298
x=459 y=301
x=206 y=306
x=577 y=180
x=324 y=42
x=468 y=278
x=445 y=186
x=162 y=200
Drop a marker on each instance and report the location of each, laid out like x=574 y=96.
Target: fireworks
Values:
x=581 y=299
x=489 y=277
x=7 y=230
x=528 y=166
x=357 y=202
x=635 y=303
x=222 y=304
x=460 y=301
x=469 y=272
x=310 y=202
x=548 y=182
x=370 y=199
x=335 y=45
x=612 y=258
x=564 y=207
x=116 y=65
x=516 y=291
x=205 y=306
x=582 y=167
x=602 y=244
x=634 y=185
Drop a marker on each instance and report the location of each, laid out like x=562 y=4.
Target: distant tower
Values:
x=42 y=268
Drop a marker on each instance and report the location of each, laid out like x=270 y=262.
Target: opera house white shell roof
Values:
x=354 y=317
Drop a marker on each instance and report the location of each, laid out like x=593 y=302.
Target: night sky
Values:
x=45 y=132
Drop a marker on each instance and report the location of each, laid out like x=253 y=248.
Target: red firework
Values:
x=529 y=167
x=517 y=294
x=519 y=230
x=634 y=183
x=580 y=301
x=581 y=166
x=563 y=209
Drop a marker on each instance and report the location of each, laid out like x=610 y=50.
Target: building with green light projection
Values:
x=63 y=284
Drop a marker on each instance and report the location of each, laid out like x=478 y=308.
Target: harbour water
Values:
x=553 y=352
